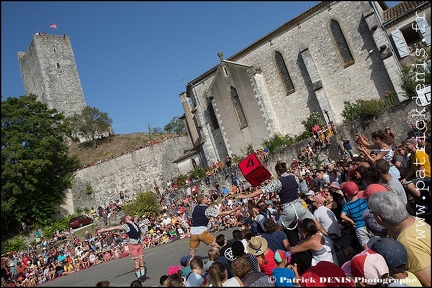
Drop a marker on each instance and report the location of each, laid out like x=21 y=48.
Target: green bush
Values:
x=417 y=74
x=314 y=118
x=198 y=173
x=364 y=110
x=14 y=244
x=276 y=143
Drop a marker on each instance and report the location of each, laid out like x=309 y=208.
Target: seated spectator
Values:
x=319 y=245
x=285 y=276
x=276 y=239
x=368 y=268
x=258 y=247
x=395 y=255
x=250 y=278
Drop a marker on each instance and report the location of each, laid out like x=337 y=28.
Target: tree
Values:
x=35 y=166
x=91 y=124
x=176 y=125
x=145 y=202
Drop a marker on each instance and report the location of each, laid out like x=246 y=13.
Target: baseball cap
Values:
x=281 y=255
x=393 y=251
x=371 y=189
x=317 y=275
x=369 y=265
x=185 y=259
x=173 y=269
x=350 y=188
x=335 y=185
x=310 y=192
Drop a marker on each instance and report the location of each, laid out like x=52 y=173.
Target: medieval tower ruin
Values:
x=49 y=70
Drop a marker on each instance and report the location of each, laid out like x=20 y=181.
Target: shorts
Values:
x=293 y=211
x=205 y=237
x=136 y=250
x=363 y=235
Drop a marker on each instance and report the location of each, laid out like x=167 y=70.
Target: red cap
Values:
x=350 y=188
x=371 y=189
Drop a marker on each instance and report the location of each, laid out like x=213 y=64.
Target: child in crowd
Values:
x=194 y=278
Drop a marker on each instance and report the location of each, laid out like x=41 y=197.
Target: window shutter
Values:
x=400 y=43
x=425 y=30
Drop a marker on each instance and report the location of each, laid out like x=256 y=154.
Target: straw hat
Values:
x=257 y=245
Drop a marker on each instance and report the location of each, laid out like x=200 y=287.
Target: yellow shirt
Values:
x=422 y=159
x=417 y=241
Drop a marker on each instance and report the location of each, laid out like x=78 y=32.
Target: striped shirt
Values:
x=354 y=210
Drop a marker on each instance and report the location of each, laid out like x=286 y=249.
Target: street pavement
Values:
x=120 y=272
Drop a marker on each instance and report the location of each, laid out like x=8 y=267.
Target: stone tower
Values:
x=49 y=70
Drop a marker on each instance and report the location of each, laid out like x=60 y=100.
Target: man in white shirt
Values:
x=326 y=217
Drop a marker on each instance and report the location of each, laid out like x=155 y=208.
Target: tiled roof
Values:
x=400 y=9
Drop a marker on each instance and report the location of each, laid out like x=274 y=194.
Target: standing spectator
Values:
x=200 y=218
x=412 y=232
x=353 y=210
x=347 y=147
x=134 y=244
x=326 y=217
x=420 y=171
x=381 y=142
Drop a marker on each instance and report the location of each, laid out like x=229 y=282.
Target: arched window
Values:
x=241 y=117
x=283 y=72
x=341 y=43
x=212 y=115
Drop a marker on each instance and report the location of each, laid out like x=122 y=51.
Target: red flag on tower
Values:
x=53 y=26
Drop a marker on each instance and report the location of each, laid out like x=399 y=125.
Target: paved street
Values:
x=120 y=272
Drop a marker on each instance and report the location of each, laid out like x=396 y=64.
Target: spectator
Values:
x=219 y=276
x=194 y=278
x=353 y=210
x=258 y=247
x=368 y=267
x=238 y=251
x=320 y=245
x=390 y=212
x=284 y=276
x=326 y=217
x=276 y=239
x=250 y=278
x=395 y=255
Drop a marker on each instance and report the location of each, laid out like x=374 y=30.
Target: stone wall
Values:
x=135 y=172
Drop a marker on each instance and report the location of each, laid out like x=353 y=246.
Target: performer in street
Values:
x=287 y=186
x=200 y=219
x=134 y=244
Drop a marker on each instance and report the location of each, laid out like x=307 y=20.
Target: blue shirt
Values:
x=284 y=277
x=354 y=210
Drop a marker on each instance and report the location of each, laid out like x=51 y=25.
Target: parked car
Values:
x=80 y=221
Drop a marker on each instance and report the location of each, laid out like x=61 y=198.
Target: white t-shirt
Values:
x=328 y=220
x=231 y=282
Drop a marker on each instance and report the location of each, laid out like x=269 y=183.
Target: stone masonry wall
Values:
x=135 y=172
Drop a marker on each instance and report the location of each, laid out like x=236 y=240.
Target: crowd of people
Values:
x=287 y=227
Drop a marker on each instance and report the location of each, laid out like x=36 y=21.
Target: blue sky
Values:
x=135 y=58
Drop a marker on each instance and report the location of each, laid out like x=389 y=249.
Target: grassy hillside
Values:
x=109 y=148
